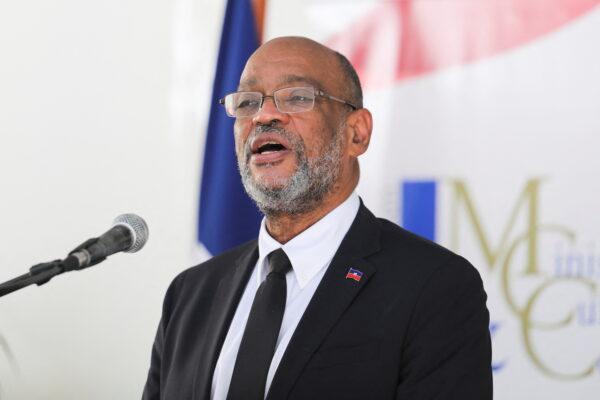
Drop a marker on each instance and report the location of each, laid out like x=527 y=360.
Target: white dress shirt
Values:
x=310 y=254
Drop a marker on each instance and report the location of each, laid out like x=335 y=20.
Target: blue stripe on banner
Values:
x=227 y=216
x=418 y=207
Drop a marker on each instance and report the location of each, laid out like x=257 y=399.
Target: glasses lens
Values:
x=242 y=104
x=295 y=99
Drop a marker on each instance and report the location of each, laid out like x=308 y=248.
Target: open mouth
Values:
x=269 y=144
x=270 y=147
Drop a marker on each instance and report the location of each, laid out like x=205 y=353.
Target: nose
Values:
x=269 y=113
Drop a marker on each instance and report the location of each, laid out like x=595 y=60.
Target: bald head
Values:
x=330 y=70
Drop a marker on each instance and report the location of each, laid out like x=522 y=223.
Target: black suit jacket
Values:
x=414 y=327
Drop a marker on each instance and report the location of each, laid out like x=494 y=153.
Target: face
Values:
x=289 y=162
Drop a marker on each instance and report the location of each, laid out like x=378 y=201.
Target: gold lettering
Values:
x=527 y=326
x=503 y=252
x=524 y=314
x=505 y=272
x=528 y=196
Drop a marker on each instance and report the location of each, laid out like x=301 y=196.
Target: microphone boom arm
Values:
x=42 y=273
x=38 y=274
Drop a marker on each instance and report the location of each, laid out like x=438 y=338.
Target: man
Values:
x=330 y=302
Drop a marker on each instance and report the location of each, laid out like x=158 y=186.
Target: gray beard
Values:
x=306 y=188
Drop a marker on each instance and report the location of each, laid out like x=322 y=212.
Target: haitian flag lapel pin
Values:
x=354 y=274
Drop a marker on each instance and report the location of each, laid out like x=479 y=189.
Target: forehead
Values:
x=277 y=81
x=277 y=66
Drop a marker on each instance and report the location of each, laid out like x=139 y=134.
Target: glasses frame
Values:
x=317 y=92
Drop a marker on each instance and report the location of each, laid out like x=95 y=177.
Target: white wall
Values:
x=92 y=98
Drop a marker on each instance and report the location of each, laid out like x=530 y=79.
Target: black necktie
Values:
x=262 y=329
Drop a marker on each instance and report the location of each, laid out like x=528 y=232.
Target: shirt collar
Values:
x=314 y=248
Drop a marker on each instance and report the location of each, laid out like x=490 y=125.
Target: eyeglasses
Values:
x=287 y=100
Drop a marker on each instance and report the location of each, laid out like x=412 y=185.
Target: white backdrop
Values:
x=102 y=109
x=92 y=126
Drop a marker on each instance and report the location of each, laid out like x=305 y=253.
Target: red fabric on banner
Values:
x=403 y=39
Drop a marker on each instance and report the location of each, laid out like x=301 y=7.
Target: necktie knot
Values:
x=279 y=263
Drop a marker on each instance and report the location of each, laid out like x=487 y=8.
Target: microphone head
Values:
x=138 y=228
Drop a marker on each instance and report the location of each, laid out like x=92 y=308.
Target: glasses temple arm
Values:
x=321 y=93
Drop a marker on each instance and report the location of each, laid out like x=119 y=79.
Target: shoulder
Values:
x=429 y=277
x=204 y=277
x=438 y=303
x=420 y=261
x=395 y=237
x=217 y=266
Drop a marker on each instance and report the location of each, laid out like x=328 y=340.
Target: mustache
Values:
x=267 y=129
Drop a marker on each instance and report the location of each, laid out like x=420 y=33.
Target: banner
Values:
x=486 y=138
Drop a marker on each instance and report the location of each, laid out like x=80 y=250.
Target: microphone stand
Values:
x=42 y=273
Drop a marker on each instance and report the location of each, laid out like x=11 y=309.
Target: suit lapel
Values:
x=332 y=297
x=225 y=302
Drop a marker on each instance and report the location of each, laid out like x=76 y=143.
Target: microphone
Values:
x=129 y=234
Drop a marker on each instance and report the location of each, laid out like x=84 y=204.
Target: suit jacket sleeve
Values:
x=152 y=388
x=447 y=351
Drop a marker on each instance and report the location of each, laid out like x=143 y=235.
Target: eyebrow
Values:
x=286 y=79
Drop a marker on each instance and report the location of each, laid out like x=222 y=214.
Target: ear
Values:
x=359 y=125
